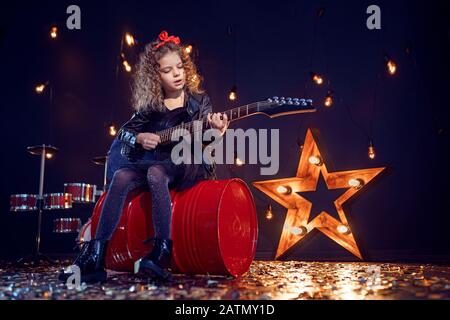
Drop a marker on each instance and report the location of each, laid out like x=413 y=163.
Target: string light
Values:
x=391 y=66
x=127 y=66
x=54 y=32
x=125 y=63
x=188 y=49
x=129 y=39
x=316 y=78
x=269 y=213
x=112 y=129
x=40 y=88
x=329 y=99
x=238 y=162
x=371 y=151
x=233 y=94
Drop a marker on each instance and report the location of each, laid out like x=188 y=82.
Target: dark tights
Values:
x=126 y=179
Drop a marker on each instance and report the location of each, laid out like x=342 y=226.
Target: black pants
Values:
x=157 y=177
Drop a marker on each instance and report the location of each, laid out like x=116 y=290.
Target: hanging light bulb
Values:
x=129 y=39
x=269 y=213
x=49 y=155
x=125 y=63
x=127 y=66
x=188 y=49
x=112 y=129
x=316 y=78
x=315 y=160
x=233 y=93
x=40 y=88
x=238 y=162
x=54 y=32
x=329 y=99
x=371 y=151
x=391 y=66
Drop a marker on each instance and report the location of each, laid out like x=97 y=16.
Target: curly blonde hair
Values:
x=147 y=91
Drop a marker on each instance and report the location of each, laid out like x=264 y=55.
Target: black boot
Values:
x=157 y=262
x=91 y=261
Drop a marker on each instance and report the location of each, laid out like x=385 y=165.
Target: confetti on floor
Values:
x=266 y=280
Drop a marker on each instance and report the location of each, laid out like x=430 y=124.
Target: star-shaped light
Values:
x=285 y=191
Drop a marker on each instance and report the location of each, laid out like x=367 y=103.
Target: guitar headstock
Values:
x=279 y=106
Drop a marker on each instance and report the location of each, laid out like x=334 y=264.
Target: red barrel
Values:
x=214 y=229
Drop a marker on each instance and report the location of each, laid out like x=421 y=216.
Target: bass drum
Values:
x=214 y=229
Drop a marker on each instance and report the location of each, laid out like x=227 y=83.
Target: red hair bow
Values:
x=164 y=37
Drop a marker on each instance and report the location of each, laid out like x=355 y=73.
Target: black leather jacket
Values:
x=197 y=105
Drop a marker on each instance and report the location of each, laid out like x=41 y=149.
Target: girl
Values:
x=165 y=81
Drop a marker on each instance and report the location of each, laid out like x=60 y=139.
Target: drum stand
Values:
x=102 y=161
x=38 y=257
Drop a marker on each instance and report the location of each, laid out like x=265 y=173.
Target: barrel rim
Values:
x=242 y=182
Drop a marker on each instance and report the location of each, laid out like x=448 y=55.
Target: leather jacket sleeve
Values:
x=205 y=109
x=128 y=135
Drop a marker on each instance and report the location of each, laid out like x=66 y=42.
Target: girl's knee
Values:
x=123 y=177
x=157 y=175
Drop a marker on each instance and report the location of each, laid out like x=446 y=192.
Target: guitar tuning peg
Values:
x=289 y=102
x=269 y=100
x=295 y=99
x=275 y=98
x=309 y=101
x=289 y=99
x=282 y=98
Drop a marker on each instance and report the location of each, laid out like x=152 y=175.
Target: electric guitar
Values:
x=273 y=108
x=172 y=125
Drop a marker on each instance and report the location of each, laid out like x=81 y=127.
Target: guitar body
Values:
x=160 y=121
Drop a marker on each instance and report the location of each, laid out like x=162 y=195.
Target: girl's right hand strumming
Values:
x=148 y=140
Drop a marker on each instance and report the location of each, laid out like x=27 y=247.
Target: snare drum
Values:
x=66 y=225
x=81 y=192
x=54 y=201
x=23 y=202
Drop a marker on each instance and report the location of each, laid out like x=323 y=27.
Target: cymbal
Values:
x=100 y=160
x=37 y=150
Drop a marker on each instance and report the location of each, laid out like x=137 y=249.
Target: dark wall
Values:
x=403 y=214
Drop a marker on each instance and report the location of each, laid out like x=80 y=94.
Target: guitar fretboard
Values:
x=202 y=123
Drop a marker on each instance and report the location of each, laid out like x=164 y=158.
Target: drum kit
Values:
x=81 y=193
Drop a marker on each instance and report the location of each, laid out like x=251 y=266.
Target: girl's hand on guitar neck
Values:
x=218 y=121
x=148 y=140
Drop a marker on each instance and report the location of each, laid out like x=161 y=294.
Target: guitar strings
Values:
x=167 y=133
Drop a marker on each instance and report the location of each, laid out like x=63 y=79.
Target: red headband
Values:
x=164 y=37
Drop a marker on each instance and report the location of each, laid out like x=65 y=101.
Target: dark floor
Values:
x=265 y=280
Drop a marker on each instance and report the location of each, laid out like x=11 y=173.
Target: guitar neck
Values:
x=272 y=107
x=202 y=123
